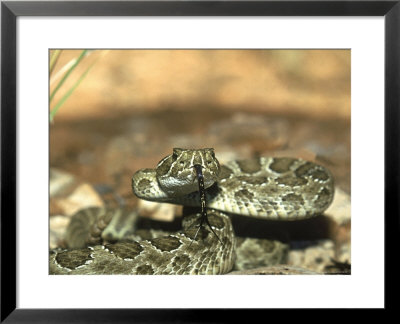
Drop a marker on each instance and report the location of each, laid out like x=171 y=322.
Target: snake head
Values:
x=176 y=173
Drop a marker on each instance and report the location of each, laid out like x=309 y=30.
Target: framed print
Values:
x=181 y=155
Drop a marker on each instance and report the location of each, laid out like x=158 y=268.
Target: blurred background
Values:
x=133 y=106
x=315 y=83
x=116 y=111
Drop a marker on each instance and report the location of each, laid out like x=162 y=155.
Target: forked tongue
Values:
x=203 y=202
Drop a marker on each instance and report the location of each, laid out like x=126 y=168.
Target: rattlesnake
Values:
x=266 y=188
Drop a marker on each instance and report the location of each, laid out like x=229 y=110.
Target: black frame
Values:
x=10 y=10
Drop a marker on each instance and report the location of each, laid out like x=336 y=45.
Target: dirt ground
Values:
x=110 y=151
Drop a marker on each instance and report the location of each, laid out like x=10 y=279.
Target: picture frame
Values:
x=11 y=10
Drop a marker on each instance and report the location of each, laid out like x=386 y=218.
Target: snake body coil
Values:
x=266 y=188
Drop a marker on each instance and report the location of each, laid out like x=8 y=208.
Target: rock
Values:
x=57 y=229
x=340 y=209
x=83 y=196
x=158 y=211
x=61 y=183
x=344 y=253
x=314 y=257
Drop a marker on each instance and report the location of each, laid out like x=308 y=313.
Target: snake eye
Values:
x=174 y=156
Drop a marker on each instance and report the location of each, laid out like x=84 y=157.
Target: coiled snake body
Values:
x=268 y=188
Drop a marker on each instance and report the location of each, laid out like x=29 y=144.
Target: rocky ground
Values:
x=93 y=166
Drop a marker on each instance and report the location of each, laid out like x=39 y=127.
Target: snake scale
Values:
x=265 y=188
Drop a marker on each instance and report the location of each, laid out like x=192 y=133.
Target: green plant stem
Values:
x=53 y=59
x=69 y=92
x=66 y=75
